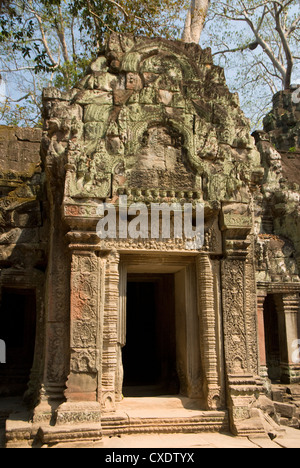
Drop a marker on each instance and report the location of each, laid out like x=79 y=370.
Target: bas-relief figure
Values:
x=154 y=119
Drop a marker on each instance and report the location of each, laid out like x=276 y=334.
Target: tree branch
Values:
x=8 y=99
x=266 y=48
x=286 y=48
x=293 y=26
x=250 y=46
x=10 y=70
x=44 y=39
x=61 y=35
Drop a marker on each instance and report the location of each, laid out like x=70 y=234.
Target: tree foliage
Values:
x=46 y=42
x=257 y=42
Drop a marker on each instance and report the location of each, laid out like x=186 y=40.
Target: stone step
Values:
x=207 y=421
x=285 y=410
x=165 y=414
x=22 y=433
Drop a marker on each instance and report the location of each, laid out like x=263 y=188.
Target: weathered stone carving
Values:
x=136 y=125
x=208 y=327
x=153 y=120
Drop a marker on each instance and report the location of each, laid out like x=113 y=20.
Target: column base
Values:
x=263 y=372
x=243 y=393
x=75 y=421
x=78 y=412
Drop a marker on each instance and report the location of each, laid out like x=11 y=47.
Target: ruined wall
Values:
x=277 y=241
x=22 y=237
x=279 y=213
x=282 y=123
x=23 y=253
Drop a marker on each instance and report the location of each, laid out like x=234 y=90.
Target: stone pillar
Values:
x=233 y=275
x=60 y=132
x=121 y=329
x=57 y=300
x=86 y=309
x=239 y=319
x=288 y=306
x=110 y=355
x=263 y=371
x=208 y=331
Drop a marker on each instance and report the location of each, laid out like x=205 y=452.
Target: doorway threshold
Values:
x=141 y=391
x=164 y=414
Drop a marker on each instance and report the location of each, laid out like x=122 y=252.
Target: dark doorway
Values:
x=272 y=338
x=149 y=356
x=17 y=329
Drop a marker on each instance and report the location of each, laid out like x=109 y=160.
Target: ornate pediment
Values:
x=152 y=114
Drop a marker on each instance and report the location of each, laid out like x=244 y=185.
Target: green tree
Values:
x=257 y=42
x=50 y=42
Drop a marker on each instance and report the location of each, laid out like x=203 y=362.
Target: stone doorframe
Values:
x=287 y=300
x=226 y=306
x=97 y=324
x=199 y=345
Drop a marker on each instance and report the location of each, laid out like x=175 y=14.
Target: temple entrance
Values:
x=149 y=356
x=272 y=342
x=17 y=330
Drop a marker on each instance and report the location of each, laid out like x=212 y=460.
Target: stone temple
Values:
x=90 y=322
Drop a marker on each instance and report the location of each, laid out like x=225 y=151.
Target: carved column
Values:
x=57 y=299
x=110 y=357
x=86 y=305
x=233 y=275
x=288 y=306
x=263 y=371
x=121 y=329
x=207 y=317
x=57 y=307
x=238 y=294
